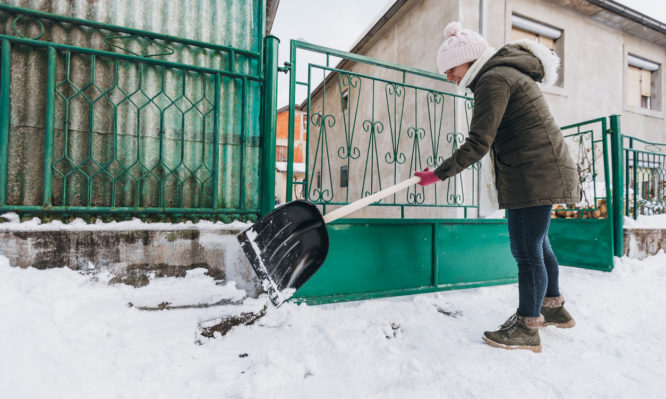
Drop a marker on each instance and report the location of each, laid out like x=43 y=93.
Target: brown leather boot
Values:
x=555 y=314
x=516 y=333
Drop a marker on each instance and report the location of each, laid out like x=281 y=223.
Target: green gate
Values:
x=105 y=120
x=645 y=180
x=371 y=124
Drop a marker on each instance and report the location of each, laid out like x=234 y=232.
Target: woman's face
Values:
x=456 y=74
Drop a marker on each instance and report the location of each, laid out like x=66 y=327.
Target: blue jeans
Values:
x=538 y=271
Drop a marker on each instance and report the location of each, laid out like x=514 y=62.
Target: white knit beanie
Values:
x=460 y=46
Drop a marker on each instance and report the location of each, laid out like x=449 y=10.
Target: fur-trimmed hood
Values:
x=532 y=58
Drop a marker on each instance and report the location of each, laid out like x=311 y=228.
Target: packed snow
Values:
x=646 y=222
x=69 y=334
x=11 y=221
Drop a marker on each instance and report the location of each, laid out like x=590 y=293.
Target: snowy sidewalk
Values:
x=69 y=335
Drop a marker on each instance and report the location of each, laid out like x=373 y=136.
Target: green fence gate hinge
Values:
x=286 y=68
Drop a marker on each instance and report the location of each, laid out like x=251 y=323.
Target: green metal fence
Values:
x=128 y=122
x=645 y=180
x=373 y=123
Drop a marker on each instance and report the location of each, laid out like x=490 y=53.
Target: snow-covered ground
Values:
x=646 y=222
x=11 y=221
x=65 y=334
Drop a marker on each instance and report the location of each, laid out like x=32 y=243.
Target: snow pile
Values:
x=35 y=224
x=646 y=222
x=67 y=334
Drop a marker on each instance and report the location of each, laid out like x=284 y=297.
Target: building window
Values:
x=344 y=176
x=305 y=126
x=282 y=153
x=523 y=28
x=345 y=100
x=642 y=83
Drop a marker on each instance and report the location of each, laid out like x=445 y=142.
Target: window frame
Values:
x=641 y=66
x=344 y=176
x=540 y=29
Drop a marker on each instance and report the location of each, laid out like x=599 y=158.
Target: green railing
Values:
x=645 y=177
x=588 y=145
x=372 y=124
x=127 y=122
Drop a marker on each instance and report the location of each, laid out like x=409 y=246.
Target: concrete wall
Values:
x=133 y=256
x=641 y=243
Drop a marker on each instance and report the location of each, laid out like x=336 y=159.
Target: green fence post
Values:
x=48 y=134
x=618 y=186
x=269 y=123
x=216 y=144
x=291 y=119
x=5 y=69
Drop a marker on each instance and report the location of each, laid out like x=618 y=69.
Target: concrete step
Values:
x=640 y=243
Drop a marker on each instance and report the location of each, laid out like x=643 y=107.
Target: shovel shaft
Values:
x=363 y=202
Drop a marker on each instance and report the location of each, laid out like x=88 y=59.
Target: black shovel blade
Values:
x=286 y=247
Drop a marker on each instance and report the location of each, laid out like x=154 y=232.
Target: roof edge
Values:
x=271 y=10
x=380 y=20
x=631 y=14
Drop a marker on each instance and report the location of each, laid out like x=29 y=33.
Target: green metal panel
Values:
x=370 y=258
x=373 y=257
x=118 y=120
x=474 y=254
x=583 y=243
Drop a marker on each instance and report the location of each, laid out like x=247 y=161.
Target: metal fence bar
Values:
x=291 y=122
x=646 y=176
x=216 y=142
x=5 y=79
x=243 y=144
x=626 y=176
x=635 y=185
x=127 y=57
x=366 y=60
x=270 y=120
x=48 y=131
x=618 y=188
x=607 y=175
x=122 y=29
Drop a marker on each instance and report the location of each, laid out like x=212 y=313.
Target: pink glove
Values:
x=427 y=177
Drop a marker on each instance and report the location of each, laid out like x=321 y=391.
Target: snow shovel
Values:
x=288 y=245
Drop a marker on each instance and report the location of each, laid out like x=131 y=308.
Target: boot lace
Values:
x=510 y=324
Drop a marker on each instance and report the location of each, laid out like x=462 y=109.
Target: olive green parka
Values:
x=532 y=163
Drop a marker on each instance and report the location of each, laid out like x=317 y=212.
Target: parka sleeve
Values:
x=491 y=97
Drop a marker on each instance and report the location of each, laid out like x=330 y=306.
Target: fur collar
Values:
x=549 y=60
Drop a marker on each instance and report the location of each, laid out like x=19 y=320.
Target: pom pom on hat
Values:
x=452 y=29
x=459 y=47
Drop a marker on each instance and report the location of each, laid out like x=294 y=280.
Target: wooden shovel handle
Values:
x=363 y=202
